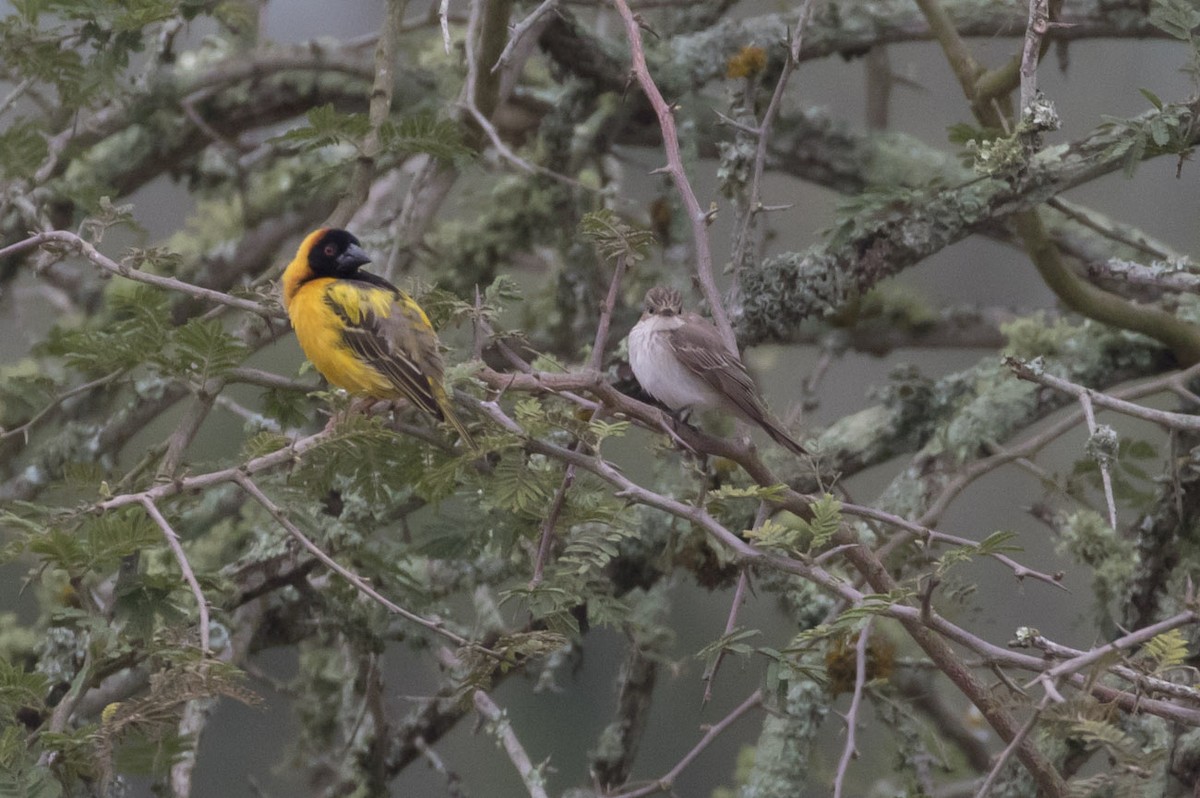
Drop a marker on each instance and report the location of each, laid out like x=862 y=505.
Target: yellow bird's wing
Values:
x=391 y=334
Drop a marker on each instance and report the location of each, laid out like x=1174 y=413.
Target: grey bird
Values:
x=680 y=359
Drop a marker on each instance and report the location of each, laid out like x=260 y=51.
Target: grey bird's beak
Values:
x=352 y=258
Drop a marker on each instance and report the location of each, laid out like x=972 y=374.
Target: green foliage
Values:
x=424 y=133
x=731 y=643
x=326 y=128
x=1166 y=651
x=287 y=407
x=201 y=350
x=138 y=735
x=364 y=459
x=19 y=689
x=1178 y=18
x=1132 y=764
x=796 y=534
x=614 y=238
x=591 y=547
x=996 y=543
x=95 y=542
x=826 y=520
x=81 y=49
x=518 y=647
x=523 y=485
x=22 y=148
x=137 y=330
x=263 y=444
x=19 y=776
x=718 y=499
x=1166 y=131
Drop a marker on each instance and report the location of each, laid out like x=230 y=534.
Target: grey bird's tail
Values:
x=780 y=436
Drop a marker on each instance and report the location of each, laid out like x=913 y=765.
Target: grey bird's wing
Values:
x=699 y=348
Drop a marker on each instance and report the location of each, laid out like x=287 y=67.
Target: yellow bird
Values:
x=361 y=332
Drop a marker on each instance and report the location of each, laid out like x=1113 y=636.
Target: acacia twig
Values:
x=665 y=782
x=850 y=749
x=86 y=249
x=185 y=567
x=521 y=29
x=1179 y=421
x=1011 y=748
x=597 y=358
x=377 y=113
x=741 y=238
x=530 y=775
x=1103 y=460
x=696 y=215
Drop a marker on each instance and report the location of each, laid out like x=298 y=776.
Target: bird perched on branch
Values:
x=361 y=332
x=681 y=360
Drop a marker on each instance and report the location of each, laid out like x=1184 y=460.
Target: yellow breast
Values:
x=319 y=329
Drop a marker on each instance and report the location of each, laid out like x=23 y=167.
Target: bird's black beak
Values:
x=352 y=258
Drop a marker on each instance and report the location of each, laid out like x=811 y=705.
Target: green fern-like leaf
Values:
x=826 y=520
x=26 y=780
x=529 y=412
x=520 y=486
x=598 y=430
x=326 y=127
x=263 y=444
x=720 y=498
x=361 y=458
x=774 y=535
x=202 y=350
x=1167 y=650
x=22 y=148
x=1100 y=734
x=591 y=547
x=18 y=688
x=998 y=543
x=732 y=643
x=614 y=238
x=425 y=133
x=871 y=605
x=136 y=332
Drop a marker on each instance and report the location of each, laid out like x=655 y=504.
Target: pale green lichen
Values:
x=1113 y=559
x=783 y=762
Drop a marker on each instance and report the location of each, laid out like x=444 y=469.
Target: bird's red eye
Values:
x=330 y=250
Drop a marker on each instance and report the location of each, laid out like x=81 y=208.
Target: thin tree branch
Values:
x=86 y=249
x=521 y=30
x=377 y=113
x=667 y=781
x=1103 y=460
x=850 y=749
x=532 y=777
x=1179 y=421
x=184 y=566
x=990 y=781
x=436 y=626
x=742 y=245
x=697 y=217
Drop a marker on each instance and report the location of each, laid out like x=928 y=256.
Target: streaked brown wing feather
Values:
x=699 y=347
x=390 y=345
